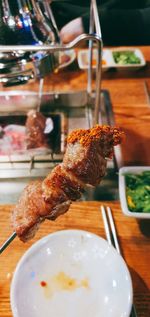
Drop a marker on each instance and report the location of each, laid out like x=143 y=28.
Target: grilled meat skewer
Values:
x=35 y=126
x=84 y=163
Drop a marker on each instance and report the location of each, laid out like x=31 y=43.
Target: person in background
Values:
x=123 y=22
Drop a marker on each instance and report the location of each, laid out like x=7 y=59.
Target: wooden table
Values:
x=133 y=236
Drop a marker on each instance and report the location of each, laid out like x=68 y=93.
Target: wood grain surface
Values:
x=134 y=237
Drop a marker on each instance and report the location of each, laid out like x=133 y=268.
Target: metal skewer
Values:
x=7 y=242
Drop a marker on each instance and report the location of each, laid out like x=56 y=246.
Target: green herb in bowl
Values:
x=126 y=57
x=138 y=191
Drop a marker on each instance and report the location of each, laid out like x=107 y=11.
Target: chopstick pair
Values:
x=112 y=239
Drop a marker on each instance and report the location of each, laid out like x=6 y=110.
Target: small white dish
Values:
x=109 y=59
x=122 y=190
x=66 y=58
x=83 y=59
x=71 y=273
x=137 y=53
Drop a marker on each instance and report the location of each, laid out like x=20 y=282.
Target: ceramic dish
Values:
x=71 y=273
x=108 y=60
x=83 y=57
x=122 y=191
x=128 y=64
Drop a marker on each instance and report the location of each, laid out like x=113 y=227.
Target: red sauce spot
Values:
x=43 y=284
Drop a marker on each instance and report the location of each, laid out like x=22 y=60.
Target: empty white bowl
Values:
x=71 y=273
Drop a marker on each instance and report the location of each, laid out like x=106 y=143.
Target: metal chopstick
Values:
x=7 y=242
x=106 y=226
x=113 y=229
x=110 y=231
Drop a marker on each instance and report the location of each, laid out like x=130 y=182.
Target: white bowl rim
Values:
x=122 y=191
x=59 y=233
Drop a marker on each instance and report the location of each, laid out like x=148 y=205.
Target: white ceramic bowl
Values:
x=122 y=190
x=71 y=273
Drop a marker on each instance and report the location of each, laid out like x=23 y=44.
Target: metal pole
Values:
x=52 y=48
x=90 y=56
x=99 y=64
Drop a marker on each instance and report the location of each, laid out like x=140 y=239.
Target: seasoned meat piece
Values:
x=90 y=165
x=84 y=163
x=101 y=138
x=61 y=179
x=87 y=151
x=32 y=209
x=35 y=126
